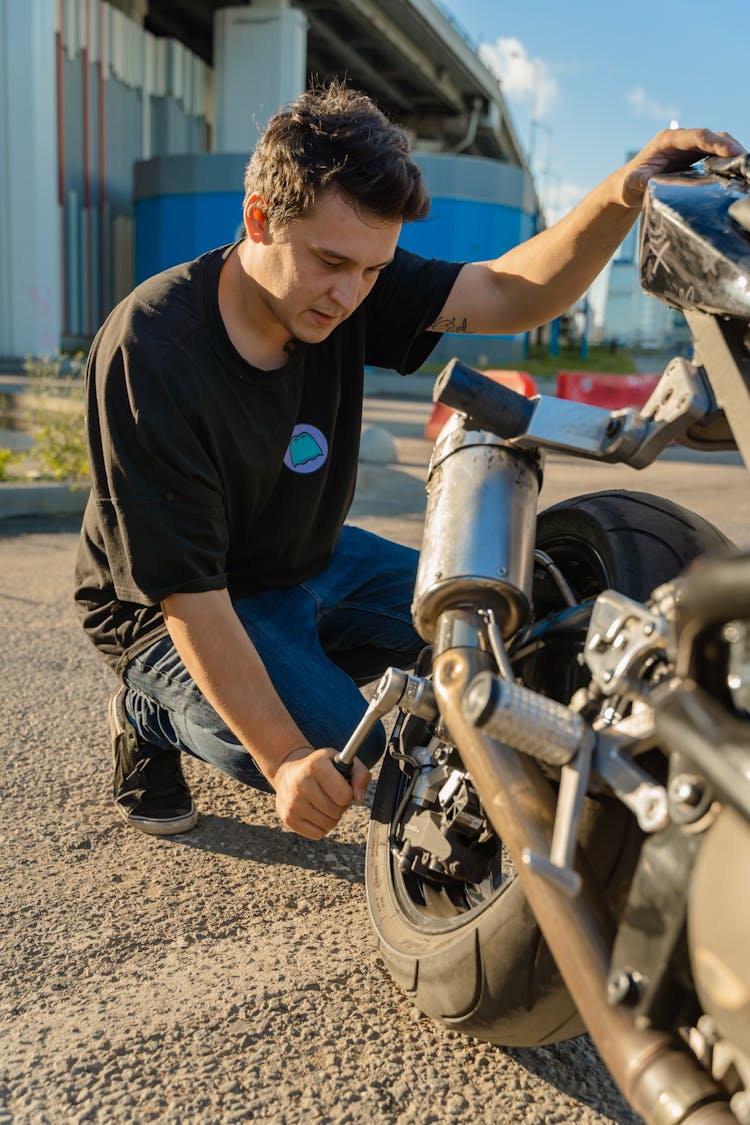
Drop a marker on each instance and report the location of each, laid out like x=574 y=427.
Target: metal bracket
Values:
x=680 y=398
x=582 y=429
x=632 y=785
x=622 y=635
x=720 y=348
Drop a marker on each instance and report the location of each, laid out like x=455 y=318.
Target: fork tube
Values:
x=659 y=1079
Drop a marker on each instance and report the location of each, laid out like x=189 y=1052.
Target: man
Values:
x=215 y=573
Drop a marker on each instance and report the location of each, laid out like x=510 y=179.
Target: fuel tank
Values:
x=695 y=243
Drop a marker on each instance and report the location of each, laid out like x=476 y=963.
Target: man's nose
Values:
x=346 y=293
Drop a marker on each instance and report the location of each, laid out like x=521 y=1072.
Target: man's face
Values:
x=313 y=273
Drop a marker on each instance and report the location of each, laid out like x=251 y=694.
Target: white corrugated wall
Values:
x=84 y=93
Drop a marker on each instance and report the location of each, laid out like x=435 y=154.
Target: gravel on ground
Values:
x=226 y=975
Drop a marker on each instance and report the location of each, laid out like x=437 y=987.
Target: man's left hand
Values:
x=670 y=151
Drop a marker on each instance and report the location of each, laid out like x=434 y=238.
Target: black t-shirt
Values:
x=209 y=473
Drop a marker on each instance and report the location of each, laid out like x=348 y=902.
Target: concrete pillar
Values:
x=30 y=243
x=260 y=55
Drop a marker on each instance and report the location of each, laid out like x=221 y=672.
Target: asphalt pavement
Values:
x=231 y=974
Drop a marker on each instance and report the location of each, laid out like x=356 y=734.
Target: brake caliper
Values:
x=442 y=834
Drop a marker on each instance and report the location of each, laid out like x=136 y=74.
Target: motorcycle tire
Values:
x=477 y=962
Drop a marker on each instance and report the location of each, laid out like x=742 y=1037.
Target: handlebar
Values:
x=488 y=404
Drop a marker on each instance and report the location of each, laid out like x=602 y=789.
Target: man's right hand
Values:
x=311 y=794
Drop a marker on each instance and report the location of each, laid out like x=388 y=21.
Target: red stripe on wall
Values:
x=59 y=61
x=103 y=257
x=87 y=169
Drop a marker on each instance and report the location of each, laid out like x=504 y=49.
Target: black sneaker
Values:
x=150 y=791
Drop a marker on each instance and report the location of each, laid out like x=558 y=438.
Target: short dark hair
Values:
x=336 y=138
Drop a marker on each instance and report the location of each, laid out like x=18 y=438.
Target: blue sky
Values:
x=610 y=75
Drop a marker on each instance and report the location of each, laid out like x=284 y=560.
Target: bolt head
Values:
x=622 y=988
x=403 y=862
x=685 y=791
x=731 y=632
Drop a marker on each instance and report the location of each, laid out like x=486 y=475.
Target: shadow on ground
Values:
x=568 y=1067
x=231 y=836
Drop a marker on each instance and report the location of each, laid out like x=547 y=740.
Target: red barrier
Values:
x=519 y=381
x=610 y=391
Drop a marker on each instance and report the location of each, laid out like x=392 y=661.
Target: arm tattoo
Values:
x=450 y=324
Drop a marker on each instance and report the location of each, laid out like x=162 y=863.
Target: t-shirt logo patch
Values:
x=308 y=449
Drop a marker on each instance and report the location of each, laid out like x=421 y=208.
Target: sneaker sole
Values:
x=114 y=726
x=153 y=827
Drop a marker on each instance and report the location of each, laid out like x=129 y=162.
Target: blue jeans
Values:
x=318 y=640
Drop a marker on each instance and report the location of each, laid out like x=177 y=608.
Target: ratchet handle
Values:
x=395 y=687
x=344 y=768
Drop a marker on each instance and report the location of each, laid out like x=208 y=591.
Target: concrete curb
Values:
x=48 y=499
x=20 y=498
x=387 y=384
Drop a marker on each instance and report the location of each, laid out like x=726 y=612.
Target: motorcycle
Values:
x=560 y=837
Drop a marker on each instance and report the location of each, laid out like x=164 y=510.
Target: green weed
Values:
x=57 y=416
x=8 y=458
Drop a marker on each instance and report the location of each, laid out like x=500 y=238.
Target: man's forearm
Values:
x=538 y=279
x=225 y=665
x=560 y=263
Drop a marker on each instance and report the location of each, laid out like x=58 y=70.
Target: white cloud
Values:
x=522 y=77
x=560 y=198
x=646 y=106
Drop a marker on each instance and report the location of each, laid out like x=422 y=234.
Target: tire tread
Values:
x=513 y=992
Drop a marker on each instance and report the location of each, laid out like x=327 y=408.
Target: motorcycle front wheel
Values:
x=471 y=955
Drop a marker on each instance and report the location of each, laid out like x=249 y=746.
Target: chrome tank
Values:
x=480 y=528
x=695 y=245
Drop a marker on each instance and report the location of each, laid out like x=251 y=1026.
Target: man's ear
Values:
x=255 y=213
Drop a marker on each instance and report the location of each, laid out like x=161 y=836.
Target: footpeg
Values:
x=525 y=720
x=550 y=732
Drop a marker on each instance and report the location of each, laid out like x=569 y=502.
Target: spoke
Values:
x=437 y=902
